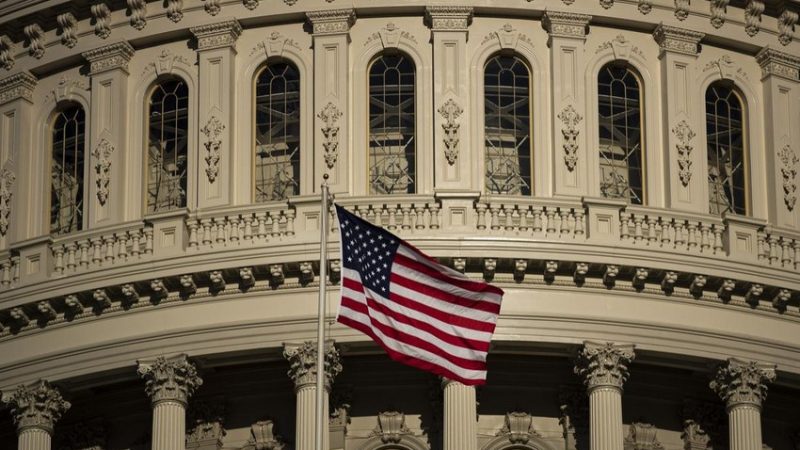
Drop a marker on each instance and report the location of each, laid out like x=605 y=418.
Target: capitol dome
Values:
x=625 y=170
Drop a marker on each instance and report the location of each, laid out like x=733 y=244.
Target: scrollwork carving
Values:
x=718 y=10
x=789 y=161
x=786 y=22
x=570 y=118
x=450 y=112
x=7 y=179
x=212 y=7
x=329 y=115
x=175 y=10
x=250 y=4
x=518 y=428
x=102 y=166
x=752 y=16
x=66 y=25
x=212 y=131
x=102 y=20
x=684 y=134
x=682 y=9
x=391 y=427
x=645 y=6
x=138 y=13
x=33 y=33
x=6 y=53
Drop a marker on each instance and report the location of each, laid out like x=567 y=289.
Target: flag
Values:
x=422 y=313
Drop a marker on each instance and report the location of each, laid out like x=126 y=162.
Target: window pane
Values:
x=726 y=163
x=66 y=172
x=277 y=125
x=507 y=126
x=620 y=121
x=392 y=162
x=167 y=147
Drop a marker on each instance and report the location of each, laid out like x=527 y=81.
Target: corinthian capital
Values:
x=173 y=379
x=303 y=363
x=743 y=382
x=604 y=364
x=37 y=405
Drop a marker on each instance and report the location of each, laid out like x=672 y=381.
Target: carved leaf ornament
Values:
x=570 y=118
x=684 y=134
x=102 y=166
x=450 y=111
x=330 y=115
x=212 y=130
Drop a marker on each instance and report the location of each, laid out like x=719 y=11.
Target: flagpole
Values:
x=323 y=269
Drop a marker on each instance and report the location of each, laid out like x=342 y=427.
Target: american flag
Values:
x=422 y=313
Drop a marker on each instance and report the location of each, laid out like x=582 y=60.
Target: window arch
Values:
x=277 y=132
x=392 y=125
x=727 y=165
x=167 y=147
x=68 y=146
x=507 y=126
x=620 y=122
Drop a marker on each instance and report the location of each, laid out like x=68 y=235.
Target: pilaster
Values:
x=604 y=369
x=331 y=36
x=687 y=187
x=35 y=409
x=21 y=203
x=567 y=33
x=452 y=159
x=781 y=93
x=460 y=416
x=107 y=149
x=216 y=53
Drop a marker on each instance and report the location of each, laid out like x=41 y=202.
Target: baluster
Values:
x=652 y=236
x=717 y=230
x=666 y=231
x=564 y=224
x=72 y=256
x=406 y=216
x=580 y=216
x=512 y=216
x=625 y=226
x=290 y=222
x=6 y=281
x=234 y=221
x=148 y=241
x=773 y=249
x=58 y=266
x=537 y=220
x=276 y=223
x=786 y=252
x=97 y=252
x=550 y=214
x=495 y=211
x=84 y=258
x=206 y=224
x=422 y=217
x=122 y=248
x=221 y=226
x=680 y=238
x=108 y=241
x=705 y=243
x=796 y=246
x=261 y=231
x=481 y=209
x=637 y=228
x=15 y=269
x=192 y=225
x=136 y=246
x=761 y=239
x=523 y=216
x=692 y=241
x=392 y=217
x=248 y=227
x=434 y=216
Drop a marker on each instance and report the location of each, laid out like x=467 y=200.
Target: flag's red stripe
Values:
x=410 y=360
x=439 y=294
x=467 y=285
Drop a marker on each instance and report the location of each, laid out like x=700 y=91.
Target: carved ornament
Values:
x=6 y=53
x=786 y=22
x=518 y=428
x=507 y=36
x=332 y=21
x=165 y=62
x=174 y=379
x=205 y=424
x=390 y=36
x=752 y=16
x=138 y=13
x=102 y=20
x=684 y=134
x=212 y=7
x=645 y=6
x=7 y=179
x=604 y=365
x=274 y=46
x=250 y=4
x=718 y=10
x=33 y=34
x=678 y=40
x=17 y=86
x=449 y=18
x=641 y=436
x=725 y=66
x=64 y=89
x=102 y=166
x=621 y=47
x=329 y=115
x=109 y=57
x=66 y=25
x=774 y=62
x=264 y=437
x=570 y=118
x=789 y=161
x=391 y=427
x=566 y=25
x=743 y=382
x=217 y=35
x=175 y=10
x=36 y=405
x=682 y=9
x=450 y=112
x=303 y=364
x=212 y=131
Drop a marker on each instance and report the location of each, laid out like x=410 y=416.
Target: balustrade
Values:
x=640 y=226
x=92 y=250
x=538 y=218
x=234 y=227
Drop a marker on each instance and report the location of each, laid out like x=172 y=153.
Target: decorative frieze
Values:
x=7 y=179
x=100 y=300
x=786 y=22
x=188 y=285
x=33 y=35
x=329 y=115
x=718 y=10
x=449 y=18
x=37 y=405
x=217 y=35
x=247 y=278
x=774 y=62
x=332 y=21
x=570 y=118
x=450 y=112
x=678 y=40
x=169 y=379
x=684 y=134
x=102 y=20
x=66 y=26
x=642 y=436
x=109 y=57
x=682 y=9
x=740 y=382
x=565 y=24
x=138 y=9
x=17 y=86
x=6 y=53
x=102 y=166
x=604 y=364
x=752 y=16
x=175 y=10
x=303 y=363
x=212 y=130
x=46 y=311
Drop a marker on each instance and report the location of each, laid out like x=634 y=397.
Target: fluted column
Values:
x=742 y=385
x=604 y=368
x=35 y=409
x=303 y=372
x=460 y=413
x=169 y=383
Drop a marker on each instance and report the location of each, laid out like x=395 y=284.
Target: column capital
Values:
x=740 y=382
x=448 y=18
x=36 y=405
x=332 y=21
x=604 y=364
x=303 y=363
x=109 y=57
x=169 y=379
x=677 y=40
x=780 y=64
x=566 y=24
x=17 y=86
x=217 y=35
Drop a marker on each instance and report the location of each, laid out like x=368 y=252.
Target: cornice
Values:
x=780 y=64
x=566 y=24
x=17 y=86
x=217 y=35
x=449 y=18
x=677 y=40
x=109 y=57
x=332 y=21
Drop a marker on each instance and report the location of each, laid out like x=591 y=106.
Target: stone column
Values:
x=169 y=383
x=743 y=387
x=781 y=93
x=687 y=184
x=604 y=368
x=460 y=416
x=106 y=197
x=331 y=35
x=303 y=372
x=35 y=409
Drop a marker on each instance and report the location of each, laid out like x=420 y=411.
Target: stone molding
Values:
x=37 y=405
x=743 y=383
x=780 y=64
x=331 y=21
x=109 y=57
x=217 y=35
x=677 y=40
x=391 y=427
x=642 y=436
x=169 y=379
x=604 y=364
x=303 y=364
x=205 y=424
x=17 y=86
x=565 y=24
x=448 y=18
x=264 y=437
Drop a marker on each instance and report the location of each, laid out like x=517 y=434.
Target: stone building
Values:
x=626 y=170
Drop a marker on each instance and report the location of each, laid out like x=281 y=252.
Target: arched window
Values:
x=392 y=142
x=619 y=117
x=66 y=170
x=167 y=128
x=277 y=132
x=727 y=165
x=507 y=112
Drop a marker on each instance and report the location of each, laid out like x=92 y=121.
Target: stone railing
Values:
x=258 y=224
x=541 y=218
x=9 y=270
x=645 y=227
x=395 y=213
x=101 y=248
x=779 y=249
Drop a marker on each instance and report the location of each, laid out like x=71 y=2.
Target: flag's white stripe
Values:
x=423 y=258
x=410 y=350
x=444 y=285
x=451 y=329
x=451 y=349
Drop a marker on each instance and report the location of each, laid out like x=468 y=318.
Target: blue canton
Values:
x=368 y=249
